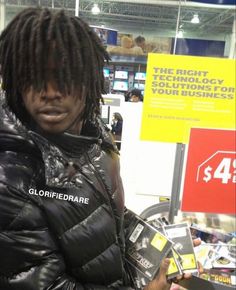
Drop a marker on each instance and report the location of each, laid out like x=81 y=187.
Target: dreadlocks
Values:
x=37 y=37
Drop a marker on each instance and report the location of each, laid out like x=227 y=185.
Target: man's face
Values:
x=134 y=99
x=54 y=112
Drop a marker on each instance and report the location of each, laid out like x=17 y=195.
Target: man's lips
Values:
x=51 y=110
x=52 y=114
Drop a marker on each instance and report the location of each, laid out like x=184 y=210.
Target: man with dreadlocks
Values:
x=61 y=197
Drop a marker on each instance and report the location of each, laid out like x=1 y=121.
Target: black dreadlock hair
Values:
x=38 y=36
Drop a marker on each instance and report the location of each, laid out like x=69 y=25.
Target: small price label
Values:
x=220 y=166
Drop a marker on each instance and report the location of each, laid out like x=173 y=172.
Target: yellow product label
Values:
x=159 y=242
x=183 y=92
x=188 y=262
x=163 y=199
x=172 y=267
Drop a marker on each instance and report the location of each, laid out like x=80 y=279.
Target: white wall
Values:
x=146 y=167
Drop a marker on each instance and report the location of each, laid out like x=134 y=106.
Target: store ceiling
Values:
x=143 y=16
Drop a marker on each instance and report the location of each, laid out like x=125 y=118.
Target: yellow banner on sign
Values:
x=182 y=92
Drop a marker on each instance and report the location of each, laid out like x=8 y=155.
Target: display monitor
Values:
x=140 y=76
x=107 y=36
x=120 y=86
x=106 y=72
x=121 y=74
x=139 y=86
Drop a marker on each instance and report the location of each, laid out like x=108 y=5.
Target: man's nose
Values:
x=51 y=96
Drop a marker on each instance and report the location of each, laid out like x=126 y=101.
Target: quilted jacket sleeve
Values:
x=129 y=219
x=29 y=255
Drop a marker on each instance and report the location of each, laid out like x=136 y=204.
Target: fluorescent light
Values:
x=95 y=9
x=195 y=19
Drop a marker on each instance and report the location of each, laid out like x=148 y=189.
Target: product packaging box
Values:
x=197 y=283
x=146 y=248
x=175 y=260
x=221 y=277
x=209 y=235
x=219 y=256
x=180 y=235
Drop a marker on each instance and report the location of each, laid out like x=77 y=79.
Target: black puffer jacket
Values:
x=61 y=214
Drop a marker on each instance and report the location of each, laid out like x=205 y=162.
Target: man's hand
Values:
x=160 y=282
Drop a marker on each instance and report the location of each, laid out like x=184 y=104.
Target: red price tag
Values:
x=210 y=177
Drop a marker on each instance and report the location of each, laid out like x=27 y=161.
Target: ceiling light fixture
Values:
x=195 y=19
x=95 y=9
